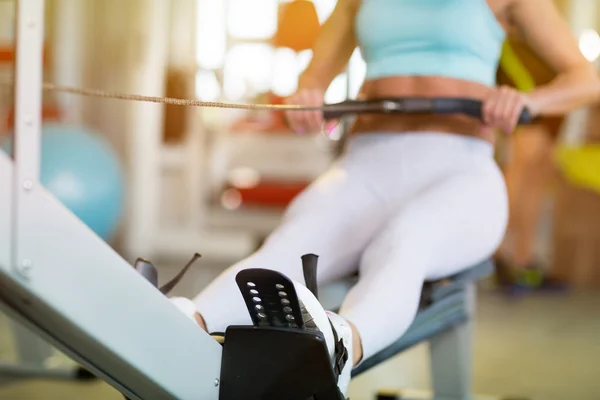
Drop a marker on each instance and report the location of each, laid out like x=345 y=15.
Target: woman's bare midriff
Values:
x=421 y=86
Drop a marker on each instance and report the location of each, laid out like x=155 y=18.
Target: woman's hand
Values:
x=503 y=108
x=306 y=121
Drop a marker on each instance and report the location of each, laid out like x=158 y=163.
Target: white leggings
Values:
x=400 y=209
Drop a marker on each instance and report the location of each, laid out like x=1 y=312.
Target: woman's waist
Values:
x=428 y=87
x=410 y=152
x=450 y=124
x=432 y=145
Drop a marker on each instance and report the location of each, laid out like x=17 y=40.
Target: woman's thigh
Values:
x=452 y=225
x=334 y=218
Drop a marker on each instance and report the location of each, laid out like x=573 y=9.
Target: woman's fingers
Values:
x=503 y=108
x=305 y=121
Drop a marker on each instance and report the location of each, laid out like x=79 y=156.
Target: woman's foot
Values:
x=338 y=335
x=341 y=338
x=188 y=307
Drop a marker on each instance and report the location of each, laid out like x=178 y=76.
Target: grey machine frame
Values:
x=64 y=286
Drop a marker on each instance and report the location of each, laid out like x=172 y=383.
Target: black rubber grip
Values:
x=147 y=270
x=309 y=268
x=412 y=105
x=150 y=273
x=471 y=108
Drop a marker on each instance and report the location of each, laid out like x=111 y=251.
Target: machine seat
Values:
x=443 y=305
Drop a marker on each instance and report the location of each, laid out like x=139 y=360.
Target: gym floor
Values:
x=539 y=347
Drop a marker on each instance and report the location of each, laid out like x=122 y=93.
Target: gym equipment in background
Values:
x=257 y=167
x=81 y=170
x=580 y=165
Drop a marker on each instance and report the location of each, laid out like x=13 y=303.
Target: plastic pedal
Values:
x=271 y=298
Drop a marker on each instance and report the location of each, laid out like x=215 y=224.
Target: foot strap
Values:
x=340 y=353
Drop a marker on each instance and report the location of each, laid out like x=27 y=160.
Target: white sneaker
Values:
x=186 y=306
x=344 y=333
x=333 y=327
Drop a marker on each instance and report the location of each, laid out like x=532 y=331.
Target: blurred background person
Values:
x=528 y=173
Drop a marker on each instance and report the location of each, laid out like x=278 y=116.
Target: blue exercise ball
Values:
x=80 y=168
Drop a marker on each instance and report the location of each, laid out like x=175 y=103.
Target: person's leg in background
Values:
x=528 y=175
x=528 y=171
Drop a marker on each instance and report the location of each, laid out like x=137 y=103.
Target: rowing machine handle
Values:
x=472 y=108
x=309 y=269
x=150 y=273
x=412 y=105
x=147 y=270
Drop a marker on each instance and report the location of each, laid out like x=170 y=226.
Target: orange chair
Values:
x=298 y=26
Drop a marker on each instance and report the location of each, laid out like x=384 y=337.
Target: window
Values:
x=208 y=86
x=251 y=19
x=248 y=70
x=236 y=60
x=286 y=69
x=211 y=36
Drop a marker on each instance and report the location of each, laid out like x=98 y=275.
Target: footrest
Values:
x=270 y=363
x=271 y=298
x=280 y=357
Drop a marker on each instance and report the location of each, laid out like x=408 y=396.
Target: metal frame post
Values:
x=28 y=115
x=451 y=355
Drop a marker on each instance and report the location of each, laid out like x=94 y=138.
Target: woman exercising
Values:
x=414 y=197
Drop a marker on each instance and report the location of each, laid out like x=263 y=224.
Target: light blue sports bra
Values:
x=459 y=39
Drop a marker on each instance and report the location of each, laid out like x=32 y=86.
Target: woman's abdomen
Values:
x=422 y=86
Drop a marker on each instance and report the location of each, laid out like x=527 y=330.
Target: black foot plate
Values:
x=279 y=357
